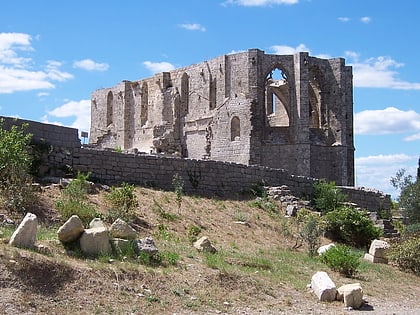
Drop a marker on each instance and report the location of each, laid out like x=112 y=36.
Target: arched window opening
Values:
x=109 y=108
x=277 y=98
x=314 y=99
x=184 y=94
x=144 y=104
x=235 y=128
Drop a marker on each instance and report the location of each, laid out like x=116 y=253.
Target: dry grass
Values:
x=254 y=271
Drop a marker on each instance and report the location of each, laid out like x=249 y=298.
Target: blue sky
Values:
x=53 y=54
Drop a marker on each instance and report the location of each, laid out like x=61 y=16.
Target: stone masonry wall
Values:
x=46 y=133
x=203 y=177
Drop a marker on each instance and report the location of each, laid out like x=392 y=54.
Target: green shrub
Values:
x=73 y=201
x=343 y=259
x=406 y=254
x=351 y=226
x=311 y=228
x=412 y=229
x=122 y=202
x=15 y=165
x=327 y=197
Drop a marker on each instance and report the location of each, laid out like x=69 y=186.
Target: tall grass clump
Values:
x=122 y=202
x=73 y=201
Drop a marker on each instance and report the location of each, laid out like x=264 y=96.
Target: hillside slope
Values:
x=255 y=271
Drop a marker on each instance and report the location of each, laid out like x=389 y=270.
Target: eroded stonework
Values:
x=293 y=112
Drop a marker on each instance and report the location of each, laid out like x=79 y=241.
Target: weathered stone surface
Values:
x=70 y=230
x=204 y=244
x=95 y=241
x=145 y=245
x=323 y=287
x=377 y=248
x=291 y=210
x=121 y=229
x=324 y=248
x=198 y=113
x=376 y=260
x=351 y=294
x=25 y=234
x=96 y=222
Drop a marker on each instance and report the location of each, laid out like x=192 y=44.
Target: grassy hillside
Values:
x=255 y=269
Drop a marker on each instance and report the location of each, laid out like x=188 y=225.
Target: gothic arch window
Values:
x=144 y=104
x=277 y=99
x=235 y=128
x=109 y=108
x=315 y=110
x=184 y=93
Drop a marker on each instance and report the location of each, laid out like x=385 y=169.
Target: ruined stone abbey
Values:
x=292 y=112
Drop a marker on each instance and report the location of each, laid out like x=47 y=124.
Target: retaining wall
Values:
x=204 y=177
x=212 y=178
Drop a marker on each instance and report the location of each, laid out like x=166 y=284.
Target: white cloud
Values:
x=43 y=94
x=288 y=50
x=259 y=3
x=377 y=171
x=365 y=19
x=90 y=65
x=12 y=42
x=193 y=27
x=413 y=137
x=17 y=73
x=343 y=19
x=378 y=72
x=156 y=67
x=78 y=109
x=386 y=121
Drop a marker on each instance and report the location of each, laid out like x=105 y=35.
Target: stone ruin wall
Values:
x=220 y=110
x=211 y=178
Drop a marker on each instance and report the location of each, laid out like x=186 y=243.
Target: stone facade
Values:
x=291 y=112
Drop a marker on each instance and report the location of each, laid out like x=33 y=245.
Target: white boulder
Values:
x=121 y=229
x=25 y=234
x=351 y=294
x=95 y=241
x=70 y=230
x=323 y=287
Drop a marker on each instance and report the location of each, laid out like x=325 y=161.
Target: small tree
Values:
x=15 y=164
x=409 y=199
x=327 y=197
x=311 y=228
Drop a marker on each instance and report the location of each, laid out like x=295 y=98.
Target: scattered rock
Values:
x=323 y=287
x=121 y=229
x=377 y=252
x=204 y=244
x=95 y=241
x=70 y=230
x=145 y=245
x=25 y=234
x=351 y=294
x=96 y=223
x=324 y=248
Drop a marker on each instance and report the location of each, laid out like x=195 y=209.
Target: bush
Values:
x=406 y=254
x=73 y=201
x=15 y=164
x=122 y=202
x=351 y=226
x=343 y=259
x=327 y=197
x=412 y=229
x=310 y=229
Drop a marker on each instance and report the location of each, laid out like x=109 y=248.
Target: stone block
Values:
x=323 y=287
